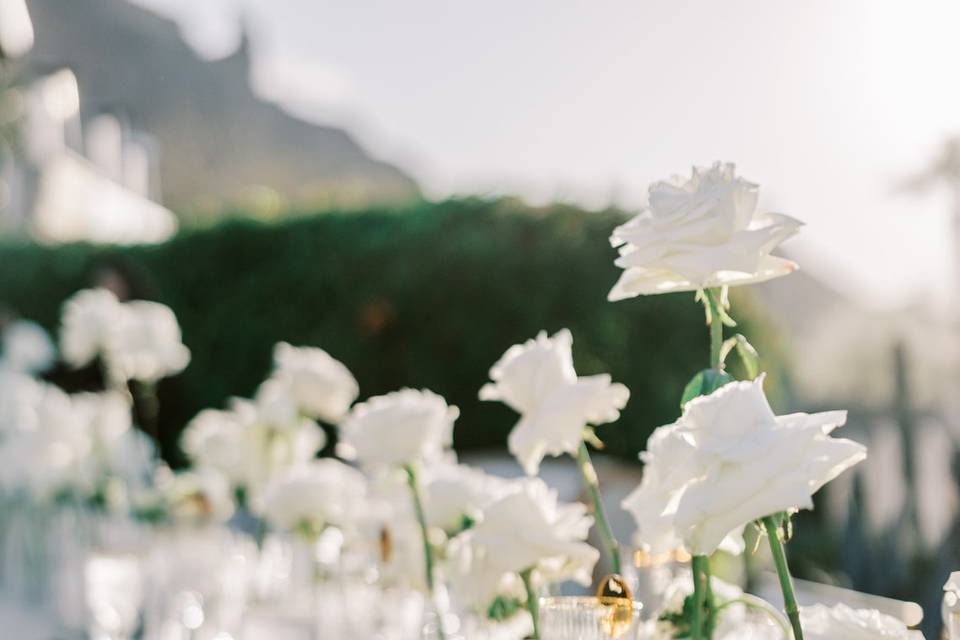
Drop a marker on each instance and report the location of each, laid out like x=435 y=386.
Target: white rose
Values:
x=216 y=439
x=454 y=493
x=54 y=442
x=322 y=386
x=144 y=343
x=106 y=415
x=669 y=462
x=248 y=445
x=739 y=462
x=26 y=348
x=391 y=535
x=85 y=325
x=397 y=429
x=698 y=233
x=537 y=380
x=840 y=622
x=527 y=529
x=273 y=443
x=198 y=497
x=19 y=394
x=276 y=403
x=313 y=496
x=44 y=454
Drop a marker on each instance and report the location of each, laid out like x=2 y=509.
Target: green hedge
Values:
x=426 y=297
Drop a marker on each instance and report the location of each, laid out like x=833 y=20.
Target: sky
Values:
x=829 y=106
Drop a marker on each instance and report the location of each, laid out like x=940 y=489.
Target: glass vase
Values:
x=589 y=618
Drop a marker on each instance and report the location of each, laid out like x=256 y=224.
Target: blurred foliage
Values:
x=428 y=297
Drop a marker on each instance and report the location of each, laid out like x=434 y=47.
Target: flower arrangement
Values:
x=479 y=547
x=729 y=462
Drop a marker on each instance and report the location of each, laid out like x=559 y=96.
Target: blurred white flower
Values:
x=399 y=428
x=308 y=498
x=19 y=396
x=729 y=461
x=249 y=445
x=107 y=415
x=697 y=233
x=455 y=495
x=537 y=380
x=516 y=627
x=390 y=533
x=86 y=321
x=215 y=439
x=144 y=343
x=276 y=403
x=137 y=340
x=56 y=443
x=322 y=386
x=43 y=454
x=526 y=529
x=198 y=497
x=840 y=622
x=26 y=347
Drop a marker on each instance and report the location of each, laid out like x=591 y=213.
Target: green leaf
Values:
x=748 y=355
x=704 y=383
x=503 y=607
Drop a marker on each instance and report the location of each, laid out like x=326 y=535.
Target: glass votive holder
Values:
x=589 y=618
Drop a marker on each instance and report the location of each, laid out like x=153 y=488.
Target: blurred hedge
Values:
x=426 y=297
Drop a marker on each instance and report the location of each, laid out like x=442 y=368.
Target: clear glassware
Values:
x=370 y=610
x=114 y=594
x=589 y=618
x=199 y=583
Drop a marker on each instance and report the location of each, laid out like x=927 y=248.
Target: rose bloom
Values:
x=840 y=622
x=525 y=529
x=322 y=386
x=215 y=439
x=397 y=429
x=249 y=446
x=698 y=233
x=313 y=496
x=735 y=462
x=25 y=347
x=144 y=343
x=455 y=494
x=390 y=536
x=86 y=320
x=41 y=455
x=62 y=443
x=537 y=380
x=19 y=395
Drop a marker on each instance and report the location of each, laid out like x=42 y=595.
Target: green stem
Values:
x=699 y=596
x=710 y=621
x=783 y=572
x=713 y=302
x=589 y=474
x=533 y=602
x=427 y=548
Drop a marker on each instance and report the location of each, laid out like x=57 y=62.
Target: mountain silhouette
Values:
x=219 y=144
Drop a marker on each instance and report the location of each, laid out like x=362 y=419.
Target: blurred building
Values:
x=65 y=178
x=215 y=144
